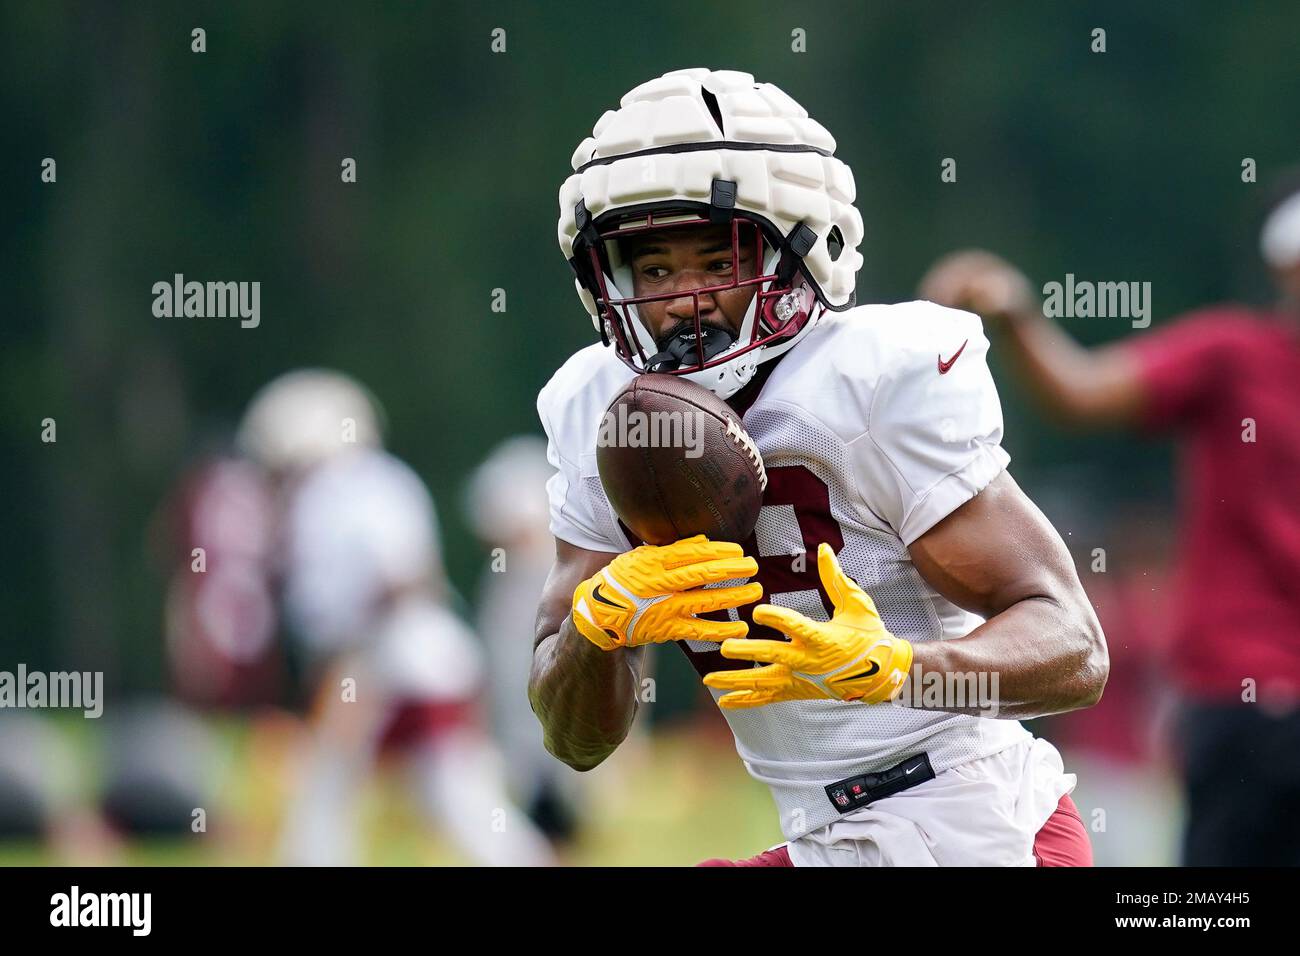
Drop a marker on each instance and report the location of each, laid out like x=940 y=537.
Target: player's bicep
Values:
x=994 y=551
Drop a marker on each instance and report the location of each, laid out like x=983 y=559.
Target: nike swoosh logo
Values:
x=944 y=366
x=909 y=770
x=595 y=592
x=874 y=668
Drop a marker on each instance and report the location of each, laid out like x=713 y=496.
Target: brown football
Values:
x=675 y=462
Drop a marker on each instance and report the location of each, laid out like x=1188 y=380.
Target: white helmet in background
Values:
x=1279 y=241
x=307 y=417
x=699 y=148
x=506 y=495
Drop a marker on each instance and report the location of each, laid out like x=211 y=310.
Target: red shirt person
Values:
x=1225 y=382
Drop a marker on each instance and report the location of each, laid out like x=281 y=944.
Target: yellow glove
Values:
x=646 y=596
x=850 y=657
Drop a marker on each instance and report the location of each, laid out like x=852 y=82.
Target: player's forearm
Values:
x=1098 y=386
x=1040 y=656
x=584 y=697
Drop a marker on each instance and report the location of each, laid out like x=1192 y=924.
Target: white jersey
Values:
x=871 y=433
x=357 y=528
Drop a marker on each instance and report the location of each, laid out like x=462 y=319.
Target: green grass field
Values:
x=670 y=799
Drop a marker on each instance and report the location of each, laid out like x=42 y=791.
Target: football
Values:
x=675 y=462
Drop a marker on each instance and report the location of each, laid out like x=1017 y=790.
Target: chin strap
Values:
x=683 y=346
x=797 y=244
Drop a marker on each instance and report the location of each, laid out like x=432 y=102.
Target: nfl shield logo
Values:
x=840 y=797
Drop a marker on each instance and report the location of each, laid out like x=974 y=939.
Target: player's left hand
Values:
x=850 y=657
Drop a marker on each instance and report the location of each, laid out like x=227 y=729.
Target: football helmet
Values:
x=704 y=148
x=306 y=417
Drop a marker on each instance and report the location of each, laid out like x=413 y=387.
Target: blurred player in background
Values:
x=36 y=766
x=1226 y=381
x=161 y=771
x=160 y=758
x=214 y=538
x=508 y=510
x=365 y=594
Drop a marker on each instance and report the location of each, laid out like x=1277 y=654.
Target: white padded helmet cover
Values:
x=786 y=188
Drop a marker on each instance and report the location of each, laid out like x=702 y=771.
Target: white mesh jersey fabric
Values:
x=570 y=406
x=867 y=445
x=358 y=527
x=799 y=747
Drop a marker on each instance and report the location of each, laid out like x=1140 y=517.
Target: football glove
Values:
x=652 y=594
x=850 y=657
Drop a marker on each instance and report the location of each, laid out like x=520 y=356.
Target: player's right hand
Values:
x=980 y=282
x=652 y=594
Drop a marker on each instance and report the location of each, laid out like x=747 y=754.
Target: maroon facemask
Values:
x=781 y=305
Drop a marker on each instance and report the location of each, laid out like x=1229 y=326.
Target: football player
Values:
x=396 y=671
x=713 y=235
x=507 y=508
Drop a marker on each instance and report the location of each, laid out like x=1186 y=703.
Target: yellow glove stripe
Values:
x=601 y=613
x=652 y=594
x=890 y=661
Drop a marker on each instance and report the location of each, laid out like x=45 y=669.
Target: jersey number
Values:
x=782 y=574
